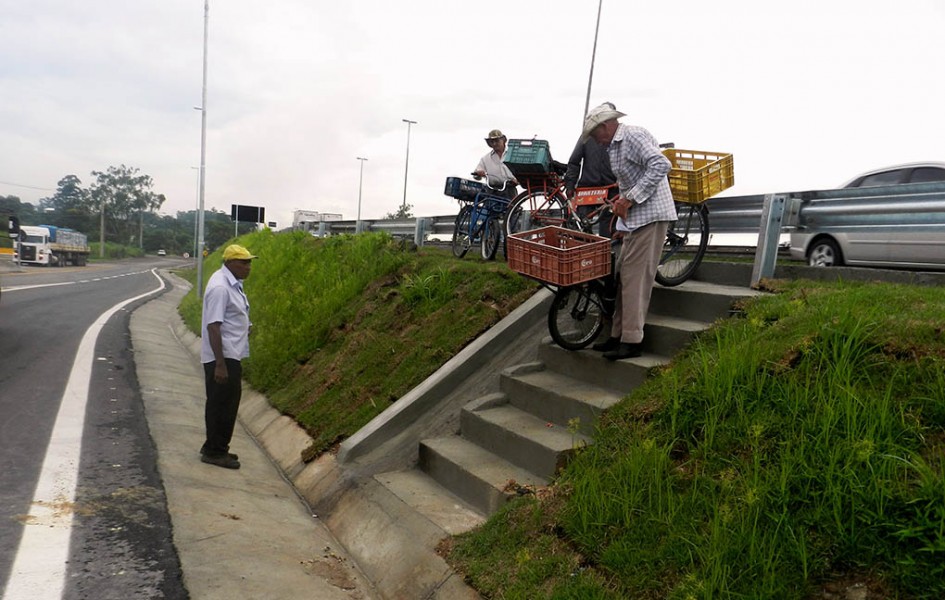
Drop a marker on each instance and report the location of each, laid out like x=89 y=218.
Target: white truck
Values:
x=51 y=245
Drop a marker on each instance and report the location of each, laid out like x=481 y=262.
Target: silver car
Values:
x=915 y=250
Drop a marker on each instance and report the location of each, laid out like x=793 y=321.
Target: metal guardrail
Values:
x=909 y=207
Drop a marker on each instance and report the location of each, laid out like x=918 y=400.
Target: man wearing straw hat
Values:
x=496 y=172
x=645 y=210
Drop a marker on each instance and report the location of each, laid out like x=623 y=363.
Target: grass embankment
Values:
x=346 y=325
x=787 y=454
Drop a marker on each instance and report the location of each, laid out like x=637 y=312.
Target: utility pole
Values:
x=403 y=208
x=357 y=224
x=203 y=153
x=590 y=78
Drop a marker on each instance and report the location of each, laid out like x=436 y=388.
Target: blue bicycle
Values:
x=481 y=220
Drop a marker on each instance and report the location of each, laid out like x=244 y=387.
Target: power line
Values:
x=29 y=187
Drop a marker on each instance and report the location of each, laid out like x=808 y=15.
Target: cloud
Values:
x=804 y=94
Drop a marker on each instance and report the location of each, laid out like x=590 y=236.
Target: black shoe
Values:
x=230 y=454
x=605 y=346
x=224 y=460
x=625 y=350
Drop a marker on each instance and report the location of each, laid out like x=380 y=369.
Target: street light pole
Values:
x=406 y=162
x=590 y=78
x=196 y=210
x=357 y=225
x=203 y=153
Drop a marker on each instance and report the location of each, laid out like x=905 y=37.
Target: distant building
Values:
x=310 y=220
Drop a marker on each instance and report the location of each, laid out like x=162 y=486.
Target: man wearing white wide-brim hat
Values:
x=645 y=210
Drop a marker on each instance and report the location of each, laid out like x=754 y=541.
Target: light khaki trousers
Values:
x=636 y=268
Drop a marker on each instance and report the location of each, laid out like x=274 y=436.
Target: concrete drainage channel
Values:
x=511 y=407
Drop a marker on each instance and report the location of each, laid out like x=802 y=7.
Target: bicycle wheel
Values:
x=491 y=236
x=538 y=208
x=576 y=316
x=461 y=241
x=686 y=243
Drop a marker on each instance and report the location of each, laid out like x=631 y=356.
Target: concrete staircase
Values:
x=520 y=436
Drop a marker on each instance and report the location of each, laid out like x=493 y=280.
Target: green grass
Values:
x=113 y=251
x=344 y=326
x=800 y=445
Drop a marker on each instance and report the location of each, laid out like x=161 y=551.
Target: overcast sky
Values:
x=804 y=93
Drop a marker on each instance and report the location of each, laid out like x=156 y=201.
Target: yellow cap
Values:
x=236 y=252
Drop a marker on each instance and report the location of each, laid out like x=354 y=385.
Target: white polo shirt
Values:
x=497 y=172
x=224 y=302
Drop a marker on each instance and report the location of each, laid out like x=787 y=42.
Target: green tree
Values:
x=404 y=211
x=218 y=228
x=12 y=205
x=70 y=206
x=125 y=194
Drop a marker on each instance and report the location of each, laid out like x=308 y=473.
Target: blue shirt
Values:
x=224 y=302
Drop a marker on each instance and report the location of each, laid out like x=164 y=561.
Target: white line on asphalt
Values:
x=17 y=288
x=39 y=568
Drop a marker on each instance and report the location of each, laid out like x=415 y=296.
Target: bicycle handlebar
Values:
x=486 y=182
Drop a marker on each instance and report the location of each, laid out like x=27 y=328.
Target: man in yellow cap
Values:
x=491 y=167
x=224 y=332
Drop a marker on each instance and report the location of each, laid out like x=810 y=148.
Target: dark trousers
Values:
x=223 y=402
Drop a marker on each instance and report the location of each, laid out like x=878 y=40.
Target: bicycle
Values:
x=544 y=203
x=687 y=239
x=578 y=312
x=480 y=219
x=578 y=269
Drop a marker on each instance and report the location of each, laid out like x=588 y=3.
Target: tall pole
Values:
x=357 y=225
x=403 y=208
x=101 y=245
x=196 y=210
x=203 y=152
x=590 y=78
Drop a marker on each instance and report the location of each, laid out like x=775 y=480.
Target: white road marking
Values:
x=17 y=288
x=39 y=568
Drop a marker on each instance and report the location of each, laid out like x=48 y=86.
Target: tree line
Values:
x=130 y=206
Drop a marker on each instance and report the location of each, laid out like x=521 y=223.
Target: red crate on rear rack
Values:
x=559 y=256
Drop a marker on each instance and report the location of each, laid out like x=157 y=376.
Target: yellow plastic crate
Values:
x=698 y=175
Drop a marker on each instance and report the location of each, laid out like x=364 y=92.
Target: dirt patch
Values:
x=332 y=568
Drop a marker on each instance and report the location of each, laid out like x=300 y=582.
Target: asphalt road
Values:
x=118 y=541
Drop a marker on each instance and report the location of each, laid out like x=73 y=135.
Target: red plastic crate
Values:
x=559 y=256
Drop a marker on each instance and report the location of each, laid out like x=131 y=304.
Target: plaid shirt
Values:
x=641 y=169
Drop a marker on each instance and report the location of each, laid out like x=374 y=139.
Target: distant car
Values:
x=920 y=172
x=161 y=252
x=916 y=250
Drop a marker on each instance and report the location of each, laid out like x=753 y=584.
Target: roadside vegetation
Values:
x=343 y=326
x=796 y=452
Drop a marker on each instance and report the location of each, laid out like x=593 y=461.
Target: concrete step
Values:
x=479 y=477
x=522 y=438
x=665 y=336
x=697 y=300
x=393 y=544
x=420 y=492
x=724 y=272
x=591 y=367
x=556 y=398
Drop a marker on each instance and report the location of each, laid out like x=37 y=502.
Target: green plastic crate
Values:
x=528 y=157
